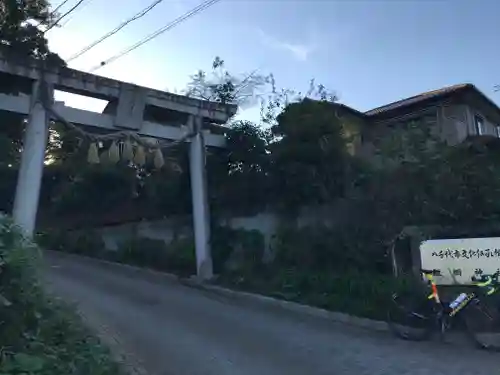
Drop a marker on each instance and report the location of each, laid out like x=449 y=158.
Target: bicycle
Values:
x=426 y=315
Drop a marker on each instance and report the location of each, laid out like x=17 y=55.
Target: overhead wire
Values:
x=53 y=13
x=74 y=13
x=135 y=17
x=58 y=7
x=206 y=4
x=64 y=15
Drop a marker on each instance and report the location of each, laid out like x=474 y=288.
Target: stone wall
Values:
x=182 y=227
x=266 y=223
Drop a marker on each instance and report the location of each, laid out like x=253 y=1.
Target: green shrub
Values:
x=39 y=336
x=323 y=267
x=323 y=249
x=18 y=284
x=225 y=240
x=144 y=252
x=87 y=242
x=178 y=257
x=57 y=240
x=349 y=291
x=222 y=241
x=182 y=257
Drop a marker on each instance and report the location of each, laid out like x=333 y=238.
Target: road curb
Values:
x=114 y=266
x=252 y=298
x=315 y=312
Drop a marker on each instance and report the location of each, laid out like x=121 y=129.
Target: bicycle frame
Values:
x=438 y=315
x=492 y=287
x=435 y=293
x=488 y=283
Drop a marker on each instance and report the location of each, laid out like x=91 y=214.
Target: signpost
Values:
x=460 y=259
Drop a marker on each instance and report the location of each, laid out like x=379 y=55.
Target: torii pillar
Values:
x=36 y=137
x=29 y=180
x=31 y=172
x=201 y=214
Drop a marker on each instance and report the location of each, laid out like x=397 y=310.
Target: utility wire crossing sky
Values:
x=157 y=33
x=135 y=17
x=369 y=52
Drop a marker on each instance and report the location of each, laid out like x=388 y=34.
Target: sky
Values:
x=369 y=52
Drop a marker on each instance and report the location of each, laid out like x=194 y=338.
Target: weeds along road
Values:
x=170 y=329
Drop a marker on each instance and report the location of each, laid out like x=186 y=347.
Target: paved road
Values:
x=175 y=330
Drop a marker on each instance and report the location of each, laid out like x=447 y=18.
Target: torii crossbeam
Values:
x=148 y=112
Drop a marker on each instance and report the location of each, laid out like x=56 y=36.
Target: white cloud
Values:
x=299 y=51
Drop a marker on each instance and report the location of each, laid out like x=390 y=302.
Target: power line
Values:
x=138 y=15
x=73 y=15
x=58 y=7
x=53 y=13
x=206 y=4
x=177 y=21
x=65 y=14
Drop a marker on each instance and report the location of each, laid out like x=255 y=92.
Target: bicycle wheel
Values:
x=411 y=317
x=482 y=320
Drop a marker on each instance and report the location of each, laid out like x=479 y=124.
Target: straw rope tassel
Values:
x=128 y=150
x=140 y=156
x=159 y=161
x=114 y=153
x=93 y=154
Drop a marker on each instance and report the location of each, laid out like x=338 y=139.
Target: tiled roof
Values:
x=419 y=98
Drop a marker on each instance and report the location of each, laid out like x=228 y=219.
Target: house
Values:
x=450 y=114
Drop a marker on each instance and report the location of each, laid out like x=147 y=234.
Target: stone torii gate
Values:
x=147 y=112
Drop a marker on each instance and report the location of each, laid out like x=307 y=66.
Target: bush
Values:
x=87 y=242
x=178 y=257
x=143 y=252
x=249 y=244
x=38 y=335
x=349 y=291
x=323 y=249
x=323 y=267
x=458 y=186
x=182 y=257
x=53 y=239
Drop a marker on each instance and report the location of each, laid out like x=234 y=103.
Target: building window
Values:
x=479 y=123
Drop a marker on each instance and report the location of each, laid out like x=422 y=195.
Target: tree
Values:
x=309 y=158
x=277 y=100
x=250 y=89
x=20 y=36
x=304 y=163
x=224 y=87
x=96 y=189
x=168 y=190
x=299 y=160
x=20 y=40
x=238 y=175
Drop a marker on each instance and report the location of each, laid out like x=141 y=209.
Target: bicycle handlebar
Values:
x=478 y=279
x=484 y=278
x=433 y=272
